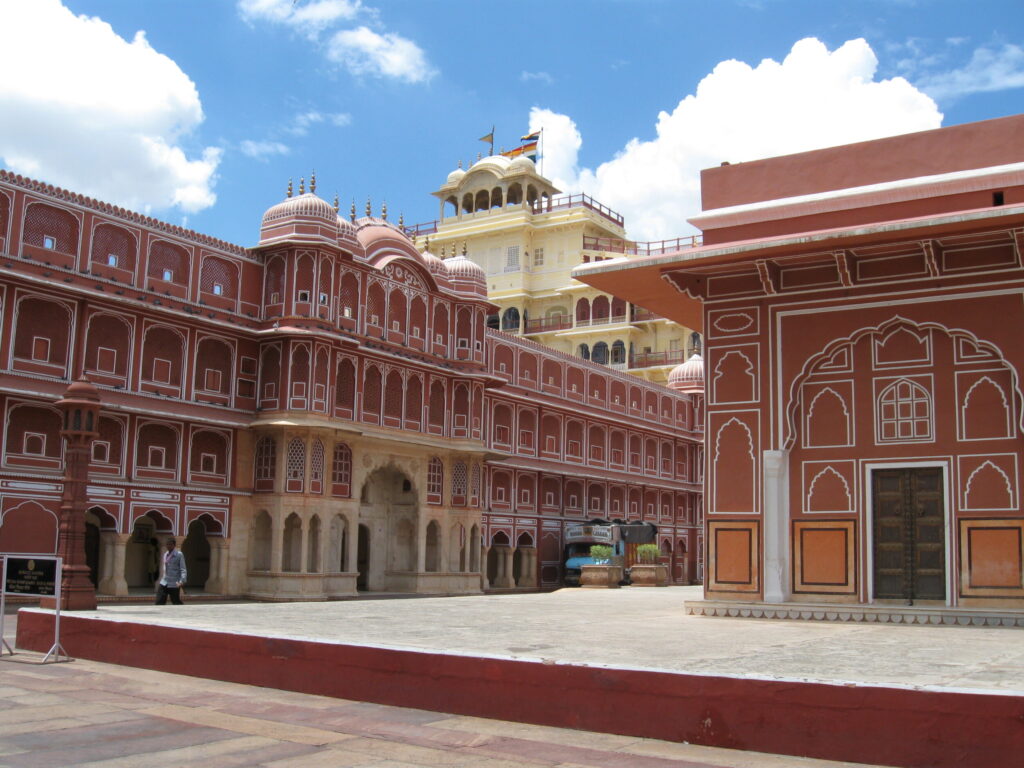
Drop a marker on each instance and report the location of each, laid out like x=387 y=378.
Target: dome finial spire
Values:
x=302 y=185
x=289 y=192
x=463 y=247
x=312 y=182
x=460 y=162
x=369 y=209
x=401 y=219
x=336 y=206
x=426 y=244
x=384 y=210
x=352 y=212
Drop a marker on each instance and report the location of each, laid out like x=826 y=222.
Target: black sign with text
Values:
x=30 y=576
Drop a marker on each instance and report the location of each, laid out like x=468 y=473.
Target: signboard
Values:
x=585 y=533
x=30 y=576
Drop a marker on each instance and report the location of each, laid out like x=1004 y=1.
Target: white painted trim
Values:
x=888 y=192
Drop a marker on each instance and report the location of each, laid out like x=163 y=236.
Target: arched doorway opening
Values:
x=92 y=547
x=433 y=550
x=363 y=558
x=196 y=549
x=498 y=567
x=142 y=555
x=388 y=559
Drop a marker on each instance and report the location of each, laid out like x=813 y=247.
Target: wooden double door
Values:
x=909 y=536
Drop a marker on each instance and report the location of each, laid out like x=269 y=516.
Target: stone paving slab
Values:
x=183 y=721
x=633 y=629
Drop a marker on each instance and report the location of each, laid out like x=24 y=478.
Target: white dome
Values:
x=495 y=162
x=456 y=176
x=688 y=376
x=522 y=163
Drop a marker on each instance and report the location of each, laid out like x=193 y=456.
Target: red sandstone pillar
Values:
x=81 y=407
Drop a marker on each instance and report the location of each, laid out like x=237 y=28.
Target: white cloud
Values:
x=261 y=150
x=990 y=69
x=365 y=52
x=814 y=98
x=542 y=77
x=96 y=113
x=362 y=51
x=302 y=121
x=309 y=17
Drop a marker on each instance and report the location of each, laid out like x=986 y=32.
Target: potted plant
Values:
x=647 y=571
x=604 y=572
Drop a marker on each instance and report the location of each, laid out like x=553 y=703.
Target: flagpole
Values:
x=541 y=147
x=492 y=141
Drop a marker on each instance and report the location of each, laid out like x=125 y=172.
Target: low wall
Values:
x=869 y=724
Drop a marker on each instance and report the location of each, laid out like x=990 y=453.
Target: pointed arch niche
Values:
x=734 y=467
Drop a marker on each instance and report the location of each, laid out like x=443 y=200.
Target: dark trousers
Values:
x=162 y=592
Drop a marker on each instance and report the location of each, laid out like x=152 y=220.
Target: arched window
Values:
x=341 y=471
x=600 y=353
x=316 y=468
x=266 y=464
x=583 y=312
x=345 y=393
x=904 y=412
x=435 y=481
x=460 y=482
x=348 y=298
x=296 y=467
x=474 y=485
x=583 y=351
x=510 y=319
x=618 y=353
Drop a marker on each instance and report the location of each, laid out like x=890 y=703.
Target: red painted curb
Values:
x=887 y=726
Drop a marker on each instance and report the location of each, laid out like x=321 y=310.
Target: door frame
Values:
x=868 y=522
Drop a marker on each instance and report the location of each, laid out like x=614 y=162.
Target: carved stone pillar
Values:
x=111 y=579
x=217 y=582
x=276 y=542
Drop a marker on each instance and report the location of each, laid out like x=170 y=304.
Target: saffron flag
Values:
x=529 y=150
x=531 y=136
x=489 y=137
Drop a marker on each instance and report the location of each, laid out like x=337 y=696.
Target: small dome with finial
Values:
x=305 y=211
x=456 y=176
x=688 y=376
x=465 y=275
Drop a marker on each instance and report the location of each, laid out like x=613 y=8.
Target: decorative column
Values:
x=81 y=408
x=217 y=581
x=111 y=579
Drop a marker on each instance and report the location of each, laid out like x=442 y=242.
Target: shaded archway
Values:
x=196 y=549
x=389 y=530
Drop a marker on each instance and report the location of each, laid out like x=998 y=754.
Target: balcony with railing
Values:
x=644 y=315
x=606 y=320
x=669 y=357
x=633 y=248
x=547 y=324
x=576 y=201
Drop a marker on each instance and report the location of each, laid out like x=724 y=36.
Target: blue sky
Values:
x=204 y=120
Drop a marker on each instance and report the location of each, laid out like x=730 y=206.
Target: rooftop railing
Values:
x=632 y=248
x=576 y=201
x=423 y=228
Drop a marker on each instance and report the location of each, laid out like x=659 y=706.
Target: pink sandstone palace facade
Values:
x=322 y=413
x=863 y=312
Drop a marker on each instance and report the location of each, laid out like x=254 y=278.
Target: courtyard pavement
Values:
x=85 y=713
x=630 y=628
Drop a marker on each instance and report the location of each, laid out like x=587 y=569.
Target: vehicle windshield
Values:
x=578 y=549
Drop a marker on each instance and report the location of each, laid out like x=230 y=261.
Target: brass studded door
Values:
x=909 y=534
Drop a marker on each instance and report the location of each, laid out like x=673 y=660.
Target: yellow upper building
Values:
x=527 y=237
